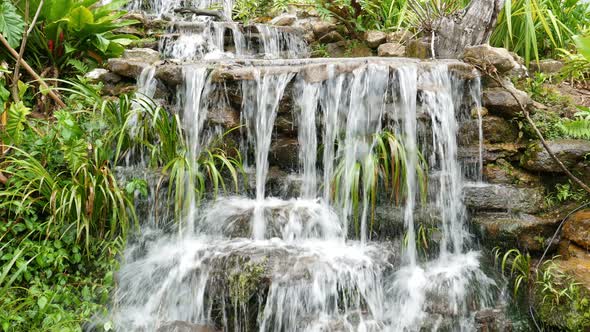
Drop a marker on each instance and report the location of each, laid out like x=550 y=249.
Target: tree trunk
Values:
x=473 y=27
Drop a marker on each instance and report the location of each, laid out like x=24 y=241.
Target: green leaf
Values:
x=12 y=24
x=80 y=17
x=42 y=302
x=583 y=45
x=17 y=118
x=56 y=10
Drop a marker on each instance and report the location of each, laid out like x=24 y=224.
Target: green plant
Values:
x=424 y=239
x=532 y=28
x=319 y=51
x=577 y=64
x=82 y=30
x=11 y=23
x=518 y=265
x=561 y=301
x=384 y=168
x=248 y=10
x=578 y=127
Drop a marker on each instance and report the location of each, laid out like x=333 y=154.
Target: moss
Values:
x=245 y=280
x=561 y=303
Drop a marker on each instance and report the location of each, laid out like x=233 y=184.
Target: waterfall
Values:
x=310 y=259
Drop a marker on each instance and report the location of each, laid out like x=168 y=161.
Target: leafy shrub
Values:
x=83 y=30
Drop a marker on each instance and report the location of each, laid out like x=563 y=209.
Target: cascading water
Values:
x=310 y=262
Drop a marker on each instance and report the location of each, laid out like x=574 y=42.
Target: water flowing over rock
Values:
x=309 y=258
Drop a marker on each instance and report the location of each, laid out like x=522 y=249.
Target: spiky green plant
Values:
x=517 y=265
x=384 y=168
x=532 y=28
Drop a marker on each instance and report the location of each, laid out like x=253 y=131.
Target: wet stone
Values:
x=577 y=229
x=496 y=197
x=569 y=151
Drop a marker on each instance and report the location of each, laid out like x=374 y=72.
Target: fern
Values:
x=79 y=66
x=579 y=127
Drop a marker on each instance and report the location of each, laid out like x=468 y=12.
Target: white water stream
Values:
x=310 y=263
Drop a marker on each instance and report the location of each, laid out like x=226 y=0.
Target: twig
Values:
x=28 y=29
x=539 y=135
x=31 y=72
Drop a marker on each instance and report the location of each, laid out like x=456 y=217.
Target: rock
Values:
x=146 y=55
x=171 y=74
x=501 y=102
x=331 y=37
x=374 y=38
x=419 y=48
x=126 y=68
x=503 y=172
x=498 y=130
x=181 y=326
x=495 y=130
x=360 y=51
x=577 y=228
x=391 y=49
x=135 y=16
x=477 y=112
x=284 y=153
x=547 y=66
x=491 y=152
x=496 y=197
x=224 y=116
x=320 y=28
x=102 y=75
x=569 y=151
x=400 y=36
x=492 y=320
x=486 y=55
x=336 y=50
x=508 y=231
x=283 y=20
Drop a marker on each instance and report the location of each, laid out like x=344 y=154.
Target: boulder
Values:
x=391 y=50
x=126 y=68
x=503 y=172
x=283 y=20
x=331 y=37
x=577 y=229
x=492 y=152
x=508 y=231
x=498 y=197
x=146 y=55
x=336 y=50
x=495 y=130
x=569 y=151
x=498 y=130
x=171 y=74
x=374 y=38
x=102 y=75
x=224 y=116
x=320 y=28
x=547 y=66
x=486 y=55
x=419 y=48
x=400 y=36
x=492 y=320
x=501 y=102
x=182 y=326
x=360 y=51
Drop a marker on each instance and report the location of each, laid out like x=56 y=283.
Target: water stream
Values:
x=312 y=261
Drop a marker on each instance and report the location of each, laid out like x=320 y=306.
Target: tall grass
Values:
x=534 y=28
x=384 y=170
